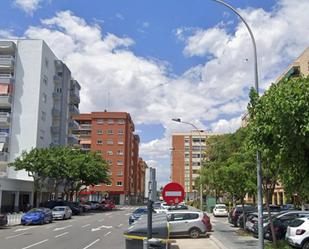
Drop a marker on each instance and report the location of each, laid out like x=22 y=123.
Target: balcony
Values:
x=5 y=119
x=85 y=127
x=4 y=156
x=56 y=112
x=6 y=62
x=72 y=139
x=74 y=97
x=55 y=129
x=5 y=101
x=73 y=125
x=58 y=65
x=57 y=79
x=7 y=47
x=4 y=137
x=6 y=78
x=57 y=95
x=74 y=110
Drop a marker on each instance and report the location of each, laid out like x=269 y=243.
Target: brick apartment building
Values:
x=111 y=134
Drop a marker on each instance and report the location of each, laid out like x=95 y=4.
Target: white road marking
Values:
x=108 y=214
x=14 y=236
x=100 y=220
x=35 y=244
x=120 y=225
x=50 y=226
x=100 y=227
x=91 y=244
x=23 y=229
x=61 y=228
x=107 y=233
x=128 y=214
x=87 y=225
x=57 y=236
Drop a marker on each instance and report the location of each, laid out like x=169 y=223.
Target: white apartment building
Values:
x=37 y=100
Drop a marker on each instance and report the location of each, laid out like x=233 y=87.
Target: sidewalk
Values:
x=201 y=243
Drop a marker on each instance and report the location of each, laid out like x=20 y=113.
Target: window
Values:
x=99 y=152
x=58 y=90
x=120 y=132
x=109 y=173
x=187 y=148
x=99 y=141
x=45 y=80
x=120 y=152
x=120 y=142
x=195 y=155
x=177 y=217
x=99 y=121
x=119 y=183
x=110 y=142
x=109 y=152
x=120 y=173
x=99 y=132
x=43 y=116
x=44 y=98
x=187 y=155
x=108 y=184
x=121 y=121
x=110 y=132
x=109 y=162
x=110 y=121
x=46 y=62
x=119 y=162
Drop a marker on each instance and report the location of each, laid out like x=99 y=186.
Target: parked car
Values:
x=37 y=216
x=237 y=211
x=137 y=213
x=108 y=204
x=281 y=221
x=85 y=207
x=3 y=220
x=220 y=210
x=157 y=205
x=252 y=219
x=62 y=212
x=165 y=205
x=188 y=223
x=180 y=206
x=297 y=233
x=75 y=207
x=95 y=205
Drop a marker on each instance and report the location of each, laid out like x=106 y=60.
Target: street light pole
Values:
x=258 y=153
x=200 y=142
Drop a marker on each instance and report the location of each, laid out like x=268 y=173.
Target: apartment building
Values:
x=111 y=134
x=186 y=158
x=37 y=100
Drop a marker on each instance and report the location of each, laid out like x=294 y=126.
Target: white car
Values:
x=220 y=210
x=62 y=212
x=297 y=233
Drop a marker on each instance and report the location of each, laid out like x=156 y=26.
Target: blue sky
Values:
x=163 y=59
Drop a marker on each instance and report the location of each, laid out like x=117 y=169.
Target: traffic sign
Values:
x=173 y=193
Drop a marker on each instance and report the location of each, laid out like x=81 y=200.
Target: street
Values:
x=90 y=230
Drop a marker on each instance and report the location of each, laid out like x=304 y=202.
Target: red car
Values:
x=108 y=204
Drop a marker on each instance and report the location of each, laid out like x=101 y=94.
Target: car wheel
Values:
x=194 y=233
x=306 y=245
x=42 y=222
x=63 y=217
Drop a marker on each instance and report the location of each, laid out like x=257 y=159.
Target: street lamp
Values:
x=258 y=154
x=200 y=141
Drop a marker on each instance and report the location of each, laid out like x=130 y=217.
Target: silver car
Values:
x=62 y=212
x=188 y=223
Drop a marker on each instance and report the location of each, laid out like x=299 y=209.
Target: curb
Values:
x=218 y=242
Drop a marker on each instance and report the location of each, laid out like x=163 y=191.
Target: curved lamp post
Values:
x=200 y=141
x=258 y=154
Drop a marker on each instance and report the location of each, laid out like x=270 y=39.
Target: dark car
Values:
x=37 y=216
x=237 y=211
x=137 y=214
x=75 y=207
x=3 y=220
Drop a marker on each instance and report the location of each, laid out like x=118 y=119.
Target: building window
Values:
x=120 y=142
x=119 y=162
x=58 y=90
x=121 y=121
x=120 y=173
x=110 y=152
x=110 y=132
x=44 y=97
x=45 y=80
x=187 y=155
x=110 y=142
x=109 y=162
x=99 y=141
x=43 y=116
x=99 y=132
x=110 y=121
x=120 y=132
x=119 y=183
x=120 y=152
x=108 y=184
x=99 y=152
x=46 y=62
x=100 y=121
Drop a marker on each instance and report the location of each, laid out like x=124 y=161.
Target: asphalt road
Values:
x=226 y=235
x=90 y=230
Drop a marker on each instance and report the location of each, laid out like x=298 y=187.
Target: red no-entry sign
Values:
x=173 y=193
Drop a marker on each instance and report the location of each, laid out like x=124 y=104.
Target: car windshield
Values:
x=140 y=210
x=221 y=207
x=58 y=209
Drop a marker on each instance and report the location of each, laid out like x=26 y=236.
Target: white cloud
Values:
x=120 y=16
x=226 y=126
x=29 y=6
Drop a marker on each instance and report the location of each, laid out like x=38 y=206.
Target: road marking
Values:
x=14 y=236
x=91 y=244
x=87 y=225
x=120 y=225
x=107 y=233
x=100 y=227
x=100 y=220
x=23 y=229
x=61 y=228
x=57 y=236
x=108 y=214
x=128 y=214
x=50 y=226
x=35 y=244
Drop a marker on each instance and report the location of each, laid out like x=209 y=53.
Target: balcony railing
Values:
x=4 y=156
x=85 y=126
x=74 y=110
x=72 y=139
x=7 y=47
x=6 y=78
x=55 y=129
x=5 y=118
x=5 y=101
x=4 y=137
x=57 y=79
x=74 y=97
x=7 y=62
x=56 y=112
x=74 y=125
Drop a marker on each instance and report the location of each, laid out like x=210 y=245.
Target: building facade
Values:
x=111 y=134
x=186 y=158
x=36 y=93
